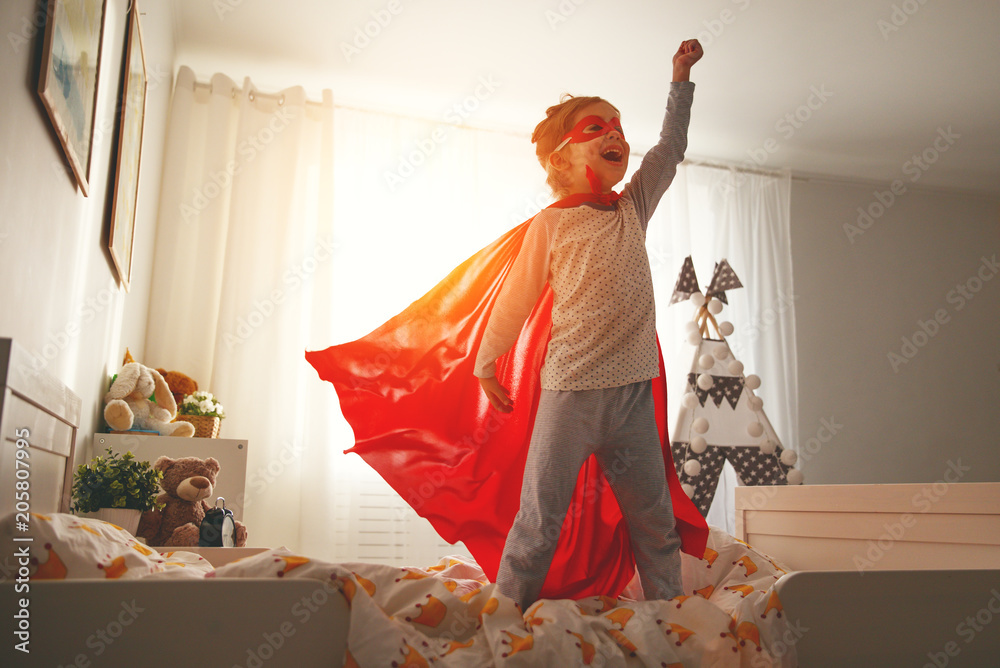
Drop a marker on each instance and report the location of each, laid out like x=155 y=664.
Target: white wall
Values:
x=896 y=419
x=59 y=297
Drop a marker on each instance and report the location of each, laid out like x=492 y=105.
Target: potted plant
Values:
x=116 y=489
x=204 y=411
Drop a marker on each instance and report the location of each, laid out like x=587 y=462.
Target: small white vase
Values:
x=126 y=518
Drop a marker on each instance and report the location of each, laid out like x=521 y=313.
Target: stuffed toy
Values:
x=180 y=384
x=128 y=403
x=186 y=483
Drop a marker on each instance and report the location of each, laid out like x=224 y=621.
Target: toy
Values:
x=186 y=483
x=128 y=403
x=720 y=417
x=180 y=384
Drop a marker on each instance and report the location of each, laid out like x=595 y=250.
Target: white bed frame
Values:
x=180 y=623
x=885 y=575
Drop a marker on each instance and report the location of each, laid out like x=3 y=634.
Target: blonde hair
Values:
x=550 y=132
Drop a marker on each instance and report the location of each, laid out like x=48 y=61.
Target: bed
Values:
x=113 y=601
x=82 y=592
x=98 y=597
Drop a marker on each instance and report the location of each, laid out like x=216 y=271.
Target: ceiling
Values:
x=853 y=89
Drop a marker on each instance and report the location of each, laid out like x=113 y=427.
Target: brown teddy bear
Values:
x=180 y=384
x=186 y=483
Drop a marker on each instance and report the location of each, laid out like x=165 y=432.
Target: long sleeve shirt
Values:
x=594 y=258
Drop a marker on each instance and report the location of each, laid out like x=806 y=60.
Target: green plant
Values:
x=115 y=481
x=201 y=403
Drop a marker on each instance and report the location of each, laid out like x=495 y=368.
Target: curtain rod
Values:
x=274 y=96
x=737 y=168
x=257 y=93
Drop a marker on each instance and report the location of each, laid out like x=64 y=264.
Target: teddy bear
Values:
x=180 y=384
x=128 y=403
x=186 y=483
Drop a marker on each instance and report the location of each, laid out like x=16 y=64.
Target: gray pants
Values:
x=618 y=426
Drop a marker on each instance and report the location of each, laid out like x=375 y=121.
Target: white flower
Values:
x=202 y=403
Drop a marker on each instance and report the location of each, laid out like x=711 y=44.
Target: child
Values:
x=410 y=392
x=596 y=393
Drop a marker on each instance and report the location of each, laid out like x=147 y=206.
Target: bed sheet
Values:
x=448 y=614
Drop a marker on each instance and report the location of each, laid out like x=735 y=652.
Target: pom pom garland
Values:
x=755 y=403
x=721 y=352
x=698 y=299
x=690 y=401
x=706 y=362
x=736 y=368
x=705 y=381
x=688 y=489
x=753 y=381
x=768 y=447
x=698 y=445
x=726 y=328
x=755 y=429
x=700 y=425
x=692 y=467
x=794 y=477
x=694 y=338
x=789 y=457
x=714 y=306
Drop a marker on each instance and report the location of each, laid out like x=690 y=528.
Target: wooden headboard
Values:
x=908 y=526
x=37 y=408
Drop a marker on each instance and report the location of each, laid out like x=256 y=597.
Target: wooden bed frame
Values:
x=884 y=575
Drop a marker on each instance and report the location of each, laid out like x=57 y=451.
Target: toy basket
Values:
x=204 y=425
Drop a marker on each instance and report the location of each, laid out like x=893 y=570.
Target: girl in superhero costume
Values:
x=565 y=447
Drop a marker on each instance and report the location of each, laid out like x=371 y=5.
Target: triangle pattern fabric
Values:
x=687 y=282
x=700 y=393
x=723 y=278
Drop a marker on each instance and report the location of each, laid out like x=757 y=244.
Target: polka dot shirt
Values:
x=594 y=258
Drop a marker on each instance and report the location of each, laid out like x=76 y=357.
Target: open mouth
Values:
x=613 y=154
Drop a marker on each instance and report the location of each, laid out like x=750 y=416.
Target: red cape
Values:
x=422 y=421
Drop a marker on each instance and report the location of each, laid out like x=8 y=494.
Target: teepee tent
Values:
x=720 y=416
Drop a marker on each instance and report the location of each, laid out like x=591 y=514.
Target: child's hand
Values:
x=689 y=53
x=497 y=394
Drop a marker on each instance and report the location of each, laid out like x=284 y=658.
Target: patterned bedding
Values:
x=448 y=614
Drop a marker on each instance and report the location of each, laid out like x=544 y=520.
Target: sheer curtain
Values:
x=244 y=249
x=714 y=212
x=288 y=225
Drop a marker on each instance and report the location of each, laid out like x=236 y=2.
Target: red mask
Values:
x=591 y=127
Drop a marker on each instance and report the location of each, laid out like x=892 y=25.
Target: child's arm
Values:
x=659 y=165
x=518 y=296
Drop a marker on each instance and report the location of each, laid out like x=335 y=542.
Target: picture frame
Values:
x=133 y=113
x=69 y=78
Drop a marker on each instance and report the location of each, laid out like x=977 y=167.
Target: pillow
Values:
x=60 y=546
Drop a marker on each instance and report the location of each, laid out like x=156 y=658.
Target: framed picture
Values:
x=133 y=111
x=71 y=61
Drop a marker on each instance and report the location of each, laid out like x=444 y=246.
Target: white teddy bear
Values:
x=128 y=403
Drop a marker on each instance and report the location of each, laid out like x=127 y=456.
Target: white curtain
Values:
x=244 y=236
x=334 y=220
x=711 y=213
